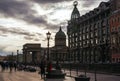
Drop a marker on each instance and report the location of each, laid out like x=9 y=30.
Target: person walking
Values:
x=15 y=66
x=11 y=66
x=3 y=66
x=42 y=69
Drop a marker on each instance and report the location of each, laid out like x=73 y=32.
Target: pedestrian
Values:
x=3 y=66
x=11 y=66
x=15 y=66
x=49 y=66
x=42 y=69
x=58 y=66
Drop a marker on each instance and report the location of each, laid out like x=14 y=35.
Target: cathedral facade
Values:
x=59 y=51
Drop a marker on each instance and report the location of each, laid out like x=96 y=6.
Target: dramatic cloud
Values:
x=4 y=31
x=36 y=39
x=28 y=38
x=49 y=1
x=89 y=3
x=21 y=10
x=15 y=31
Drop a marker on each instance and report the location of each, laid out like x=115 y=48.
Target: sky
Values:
x=28 y=21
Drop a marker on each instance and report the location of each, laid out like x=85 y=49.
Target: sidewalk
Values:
x=26 y=76
x=19 y=76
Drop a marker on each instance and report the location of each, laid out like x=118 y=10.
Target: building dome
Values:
x=60 y=38
x=60 y=34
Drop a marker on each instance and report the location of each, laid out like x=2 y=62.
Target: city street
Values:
x=34 y=76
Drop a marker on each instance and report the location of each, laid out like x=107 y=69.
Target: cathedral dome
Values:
x=60 y=34
x=60 y=38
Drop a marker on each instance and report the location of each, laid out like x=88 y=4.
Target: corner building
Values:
x=88 y=35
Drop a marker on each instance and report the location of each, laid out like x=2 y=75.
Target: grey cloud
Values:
x=28 y=38
x=31 y=38
x=51 y=27
x=21 y=10
x=4 y=31
x=3 y=35
x=39 y=34
x=36 y=39
x=88 y=3
x=49 y=1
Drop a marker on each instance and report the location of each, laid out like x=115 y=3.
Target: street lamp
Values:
x=48 y=38
x=17 y=55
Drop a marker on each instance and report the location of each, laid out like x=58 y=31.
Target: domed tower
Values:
x=60 y=38
x=75 y=13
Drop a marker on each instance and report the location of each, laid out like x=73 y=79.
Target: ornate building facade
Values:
x=88 y=35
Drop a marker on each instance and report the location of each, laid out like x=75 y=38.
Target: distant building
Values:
x=3 y=58
x=20 y=58
x=32 y=53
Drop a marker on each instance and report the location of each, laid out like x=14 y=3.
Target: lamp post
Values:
x=48 y=38
x=17 y=55
x=12 y=57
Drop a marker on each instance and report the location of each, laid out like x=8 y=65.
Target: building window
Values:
x=114 y=40
x=87 y=35
x=76 y=39
x=103 y=39
x=96 y=41
x=83 y=36
x=96 y=34
x=91 y=41
x=87 y=41
x=91 y=34
x=80 y=38
x=119 y=29
x=83 y=42
x=104 y=31
x=84 y=30
x=80 y=44
x=87 y=29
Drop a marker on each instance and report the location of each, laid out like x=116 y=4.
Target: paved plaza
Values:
x=26 y=76
x=34 y=76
